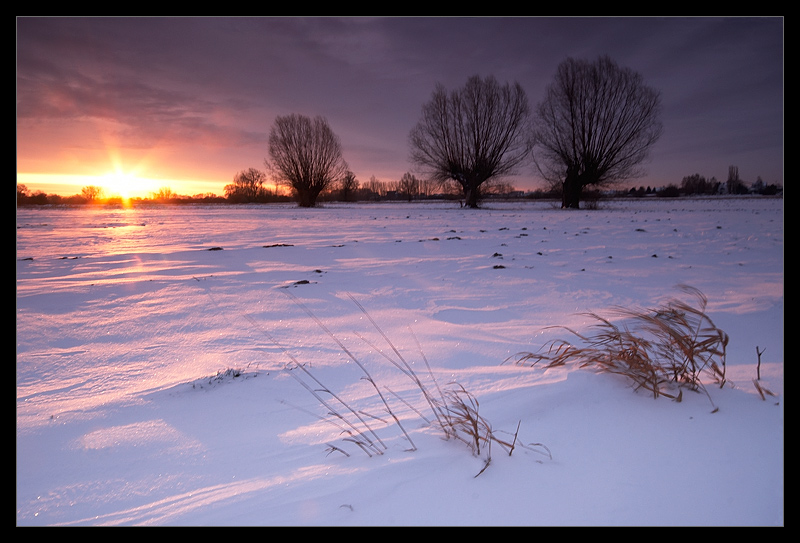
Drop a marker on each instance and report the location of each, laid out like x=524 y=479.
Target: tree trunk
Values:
x=472 y=194
x=571 y=192
x=306 y=198
x=471 y=198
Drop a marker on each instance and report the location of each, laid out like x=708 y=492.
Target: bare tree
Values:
x=305 y=155
x=473 y=134
x=498 y=188
x=378 y=188
x=595 y=126
x=427 y=187
x=697 y=184
x=247 y=186
x=348 y=186
x=164 y=194
x=408 y=186
x=91 y=193
x=734 y=184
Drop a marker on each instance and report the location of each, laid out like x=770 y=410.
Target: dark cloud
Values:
x=216 y=84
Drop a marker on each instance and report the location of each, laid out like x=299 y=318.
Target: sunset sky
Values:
x=136 y=104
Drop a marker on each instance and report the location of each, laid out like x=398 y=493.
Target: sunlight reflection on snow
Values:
x=137 y=434
x=166 y=510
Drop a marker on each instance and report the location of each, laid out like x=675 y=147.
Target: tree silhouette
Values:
x=348 y=186
x=305 y=155
x=472 y=135
x=163 y=194
x=91 y=193
x=247 y=186
x=595 y=126
x=408 y=186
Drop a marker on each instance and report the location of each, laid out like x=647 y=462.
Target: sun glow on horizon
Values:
x=119 y=184
x=128 y=184
x=114 y=184
x=118 y=178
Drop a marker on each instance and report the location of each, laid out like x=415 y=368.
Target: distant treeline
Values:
x=694 y=185
x=94 y=197
x=698 y=185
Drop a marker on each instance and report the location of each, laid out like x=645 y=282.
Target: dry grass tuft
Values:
x=462 y=420
x=454 y=411
x=662 y=350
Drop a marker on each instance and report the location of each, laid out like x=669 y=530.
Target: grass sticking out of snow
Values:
x=661 y=350
x=455 y=410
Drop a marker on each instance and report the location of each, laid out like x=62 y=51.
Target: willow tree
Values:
x=595 y=126
x=473 y=134
x=305 y=155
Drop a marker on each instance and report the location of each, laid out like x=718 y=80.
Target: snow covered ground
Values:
x=152 y=382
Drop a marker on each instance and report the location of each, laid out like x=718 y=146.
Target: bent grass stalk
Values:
x=658 y=349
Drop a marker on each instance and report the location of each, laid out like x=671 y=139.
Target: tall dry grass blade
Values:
x=343 y=428
x=361 y=366
x=402 y=365
x=403 y=400
x=333 y=448
x=332 y=411
x=427 y=365
x=295 y=364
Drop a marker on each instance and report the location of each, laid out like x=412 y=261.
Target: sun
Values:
x=117 y=184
